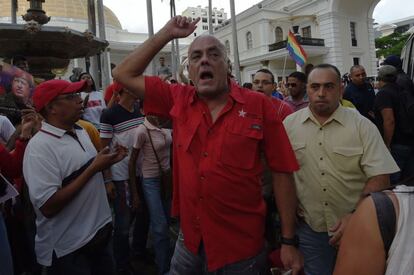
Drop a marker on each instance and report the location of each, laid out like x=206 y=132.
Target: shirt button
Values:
x=326 y=204
x=324 y=190
x=205 y=154
x=320 y=143
x=323 y=174
x=321 y=158
x=320 y=129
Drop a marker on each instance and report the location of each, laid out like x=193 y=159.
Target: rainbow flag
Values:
x=295 y=50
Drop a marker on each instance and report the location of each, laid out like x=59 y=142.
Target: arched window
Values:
x=278 y=34
x=249 y=40
x=227 y=45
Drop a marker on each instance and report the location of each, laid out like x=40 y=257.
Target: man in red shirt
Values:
x=220 y=131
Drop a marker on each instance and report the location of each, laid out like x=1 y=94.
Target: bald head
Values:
x=358 y=75
x=208 y=67
x=211 y=39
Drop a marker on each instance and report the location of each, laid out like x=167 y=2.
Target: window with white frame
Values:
x=278 y=34
x=352 y=26
x=227 y=45
x=249 y=40
x=306 y=32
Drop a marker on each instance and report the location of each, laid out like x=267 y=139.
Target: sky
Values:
x=133 y=13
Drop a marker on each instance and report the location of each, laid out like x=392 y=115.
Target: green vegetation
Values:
x=390 y=44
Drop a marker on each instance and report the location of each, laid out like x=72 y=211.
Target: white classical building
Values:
x=218 y=16
x=401 y=26
x=339 y=32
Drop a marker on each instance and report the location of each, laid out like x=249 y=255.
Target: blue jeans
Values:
x=318 y=254
x=158 y=223
x=95 y=260
x=404 y=157
x=122 y=223
x=184 y=262
x=6 y=262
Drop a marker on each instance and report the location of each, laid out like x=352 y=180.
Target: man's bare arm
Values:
x=286 y=200
x=374 y=184
x=66 y=194
x=129 y=71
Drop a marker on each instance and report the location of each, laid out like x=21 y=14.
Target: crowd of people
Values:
x=206 y=176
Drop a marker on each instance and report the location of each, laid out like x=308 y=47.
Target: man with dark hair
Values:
x=360 y=92
x=220 y=132
x=274 y=93
x=342 y=158
x=296 y=86
x=63 y=173
x=263 y=81
x=390 y=122
x=163 y=70
x=118 y=126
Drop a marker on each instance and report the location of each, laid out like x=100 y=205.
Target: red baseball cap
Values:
x=48 y=90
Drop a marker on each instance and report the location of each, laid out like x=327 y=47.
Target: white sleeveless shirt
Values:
x=400 y=256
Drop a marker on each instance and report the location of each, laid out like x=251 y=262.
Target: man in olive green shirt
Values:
x=342 y=158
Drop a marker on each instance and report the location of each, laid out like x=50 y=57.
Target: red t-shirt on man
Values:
x=217 y=167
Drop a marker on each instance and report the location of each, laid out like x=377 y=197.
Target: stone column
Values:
x=13 y=11
x=372 y=66
x=94 y=67
x=150 y=33
x=236 y=63
x=329 y=25
x=105 y=57
x=210 y=18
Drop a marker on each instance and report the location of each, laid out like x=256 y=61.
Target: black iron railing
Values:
x=302 y=40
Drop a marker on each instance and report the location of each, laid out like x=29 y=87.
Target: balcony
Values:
x=304 y=41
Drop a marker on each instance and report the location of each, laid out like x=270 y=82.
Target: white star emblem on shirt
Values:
x=242 y=113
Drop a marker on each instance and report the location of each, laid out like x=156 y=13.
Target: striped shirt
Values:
x=119 y=125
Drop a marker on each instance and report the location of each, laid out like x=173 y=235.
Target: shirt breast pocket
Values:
x=241 y=144
x=347 y=158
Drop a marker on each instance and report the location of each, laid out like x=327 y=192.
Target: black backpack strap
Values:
x=386 y=217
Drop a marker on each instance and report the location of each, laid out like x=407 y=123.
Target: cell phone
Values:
x=280 y=271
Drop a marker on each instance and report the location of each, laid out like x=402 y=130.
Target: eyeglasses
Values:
x=264 y=82
x=70 y=96
x=291 y=85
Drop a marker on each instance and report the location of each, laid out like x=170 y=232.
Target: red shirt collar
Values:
x=235 y=92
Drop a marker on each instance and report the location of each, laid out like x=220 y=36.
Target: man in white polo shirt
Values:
x=63 y=174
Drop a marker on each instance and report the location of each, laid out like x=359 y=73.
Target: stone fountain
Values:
x=47 y=48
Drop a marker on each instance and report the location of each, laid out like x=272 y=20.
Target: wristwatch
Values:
x=290 y=241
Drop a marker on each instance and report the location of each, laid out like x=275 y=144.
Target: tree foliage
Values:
x=390 y=44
